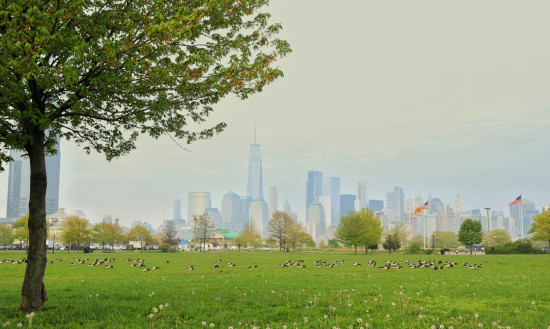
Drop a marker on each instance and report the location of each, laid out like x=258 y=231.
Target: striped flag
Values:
x=419 y=210
x=516 y=201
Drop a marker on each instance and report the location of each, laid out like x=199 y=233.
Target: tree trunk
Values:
x=33 y=292
x=471 y=247
x=366 y=249
x=355 y=248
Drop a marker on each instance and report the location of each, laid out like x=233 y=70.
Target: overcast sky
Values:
x=433 y=96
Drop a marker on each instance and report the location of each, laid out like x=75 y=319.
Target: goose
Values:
x=190 y=268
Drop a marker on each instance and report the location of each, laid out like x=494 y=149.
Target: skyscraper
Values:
x=19 y=184
x=259 y=214
x=255 y=188
x=315 y=222
x=376 y=205
x=232 y=216
x=314 y=187
x=331 y=187
x=272 y=200
x=346 y=203
x=176 y=214
x=197 y=203
x=362 y=194
x=395 y=201
x=458 y=205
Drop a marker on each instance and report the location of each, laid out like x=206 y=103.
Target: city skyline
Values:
x=400 y=103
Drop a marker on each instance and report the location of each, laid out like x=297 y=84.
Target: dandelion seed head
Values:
x=420 y=316
x=387 y=316
x=212 y=325
x=480 y=324
x=151 y=315
x=166 y=304
x=359 y=320
x=392 y=304
x=155 y=310
x=433 y=326
x=19 y=325
x=203 y=323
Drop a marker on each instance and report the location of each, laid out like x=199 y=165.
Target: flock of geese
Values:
x=388 y=264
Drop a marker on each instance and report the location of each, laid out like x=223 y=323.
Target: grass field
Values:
x=507 y=291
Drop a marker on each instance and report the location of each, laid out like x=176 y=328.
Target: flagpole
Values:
x=521 y=215
x=424 y=231
x=428 y=225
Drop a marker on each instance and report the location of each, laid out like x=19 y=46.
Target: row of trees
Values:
x=282 y=229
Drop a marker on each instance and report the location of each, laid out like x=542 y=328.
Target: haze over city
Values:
x=437 y=99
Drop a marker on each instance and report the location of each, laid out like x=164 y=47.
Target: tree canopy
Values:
x=75 y=230
x=21 y=229
x=249 y=237
x=470 y=233
x=6 y=236
x=496 y=238
x=445 y=239
x=278 y=227
x=359 y=228
x=541 y=227
x=170 y=233
x=140 y=233
x=102 y=72
x=202 y=225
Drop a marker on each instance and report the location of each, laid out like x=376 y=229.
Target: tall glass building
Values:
x=331 y=187
x=314 y=187
x=232 y=216
x=19 y=184
x=198 y=202
x=255 y=188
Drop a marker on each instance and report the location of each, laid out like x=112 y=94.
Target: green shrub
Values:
x=414 y=248
x=167 y=248
x=522 y=246
x=428 y=251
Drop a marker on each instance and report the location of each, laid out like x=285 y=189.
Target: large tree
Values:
x=249 y=237
x=541 y=227
x=278 y=226
x=496 y=238
x=75 y=230
x=202 y=225
x=140 y=233
x=470 y=233
x=170 y=233
x=113 y=233
x=352 y=230
x=101 y=72
x=373 y=228
x=296 y=234
x=445 y=239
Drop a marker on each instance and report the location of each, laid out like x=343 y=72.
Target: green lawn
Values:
x=508 y=290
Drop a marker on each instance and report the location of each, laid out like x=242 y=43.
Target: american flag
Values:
x=516 y=201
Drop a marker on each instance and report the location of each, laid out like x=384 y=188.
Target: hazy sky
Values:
x=433 y=96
